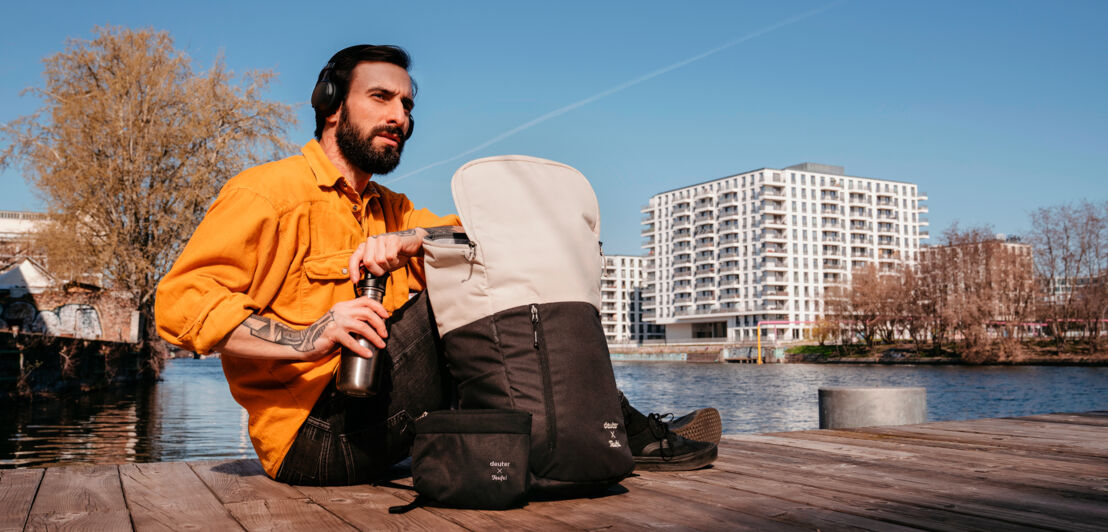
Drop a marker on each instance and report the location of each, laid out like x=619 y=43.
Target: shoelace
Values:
x=654 y=421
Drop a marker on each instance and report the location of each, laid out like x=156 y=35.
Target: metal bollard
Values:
x=848 y=407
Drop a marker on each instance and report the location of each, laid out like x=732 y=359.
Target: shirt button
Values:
x=344 y=271
x=354 y=208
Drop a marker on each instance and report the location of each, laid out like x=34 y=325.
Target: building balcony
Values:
x=830 y=196
x=861 y=253
x=679 y=236
x=775 y=235
x=687 y=274
x=921 y=196
x=858 y=264
x=682 y=208
x=774 y=250
x=924 y=221
x=885 y=201
x=773 y=191
x=831 y=236
x=860 y=239
x=705 y=259
x=728 y=253
x=832 y=185
x=728 y=215
x=727 y=229
x=858 y=199
x=649 y=230
x=832 y=278
x=730 y=281
x=861 y=226
x=922 y=209
x=833 y=265
x=924 y=234
x=683 y=260
x=705 y=244
x=729 y=268
x=648 y=210
x=728 y=239
x=775 y=265
x=729 y=198
x=778 y=222
x=775 y=294
x=773 y=207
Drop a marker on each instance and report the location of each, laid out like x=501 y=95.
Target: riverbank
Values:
x=37 y=365
x=905 y=353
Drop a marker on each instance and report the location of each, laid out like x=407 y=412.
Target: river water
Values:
x=190 y=415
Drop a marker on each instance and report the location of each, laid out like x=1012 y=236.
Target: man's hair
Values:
x=347 y=59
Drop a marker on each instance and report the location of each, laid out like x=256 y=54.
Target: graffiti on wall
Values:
x=74 y=319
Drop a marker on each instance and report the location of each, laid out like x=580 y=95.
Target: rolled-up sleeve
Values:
x=218 y=279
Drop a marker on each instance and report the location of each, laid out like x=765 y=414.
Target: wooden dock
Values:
x=1029 y=473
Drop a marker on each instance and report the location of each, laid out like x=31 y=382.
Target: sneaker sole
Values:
x=705 y=426
x=682 y=463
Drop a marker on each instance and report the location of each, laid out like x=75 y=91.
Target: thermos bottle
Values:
x=357 y=376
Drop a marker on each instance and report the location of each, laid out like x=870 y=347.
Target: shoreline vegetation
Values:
x=1036 y=354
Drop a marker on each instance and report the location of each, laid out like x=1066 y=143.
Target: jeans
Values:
x=350 y=440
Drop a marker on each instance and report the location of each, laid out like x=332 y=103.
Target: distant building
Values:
x=16 y=230
x=621 y=301
x=727 y=254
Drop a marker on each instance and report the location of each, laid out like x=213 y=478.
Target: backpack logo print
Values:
x=499 y=475
x=611 y=427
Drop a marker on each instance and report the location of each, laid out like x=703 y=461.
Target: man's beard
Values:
x=359 y=151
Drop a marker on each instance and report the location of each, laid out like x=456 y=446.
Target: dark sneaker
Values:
x=656 y=448
x=699 y=425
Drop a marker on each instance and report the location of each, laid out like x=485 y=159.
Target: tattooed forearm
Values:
x=302 y=340
x=444 y=232
x=406 y=232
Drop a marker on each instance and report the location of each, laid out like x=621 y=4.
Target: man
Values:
x=266 y=281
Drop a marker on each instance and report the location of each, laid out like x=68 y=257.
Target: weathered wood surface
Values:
x=1032 y=473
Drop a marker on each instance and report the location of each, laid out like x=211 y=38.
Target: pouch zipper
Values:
x=547 y=387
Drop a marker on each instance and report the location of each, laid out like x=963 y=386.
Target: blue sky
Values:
x=993 y=108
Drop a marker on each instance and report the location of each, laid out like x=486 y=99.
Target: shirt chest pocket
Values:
x=326 y=267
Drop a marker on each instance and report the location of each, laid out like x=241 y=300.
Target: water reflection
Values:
x=190 y=414
x=784 y=397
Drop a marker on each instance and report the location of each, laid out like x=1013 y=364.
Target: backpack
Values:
x=516 y=301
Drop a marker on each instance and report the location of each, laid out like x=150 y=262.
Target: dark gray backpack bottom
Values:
x=550 y=360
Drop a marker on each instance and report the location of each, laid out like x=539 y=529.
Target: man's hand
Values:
x=381 y=254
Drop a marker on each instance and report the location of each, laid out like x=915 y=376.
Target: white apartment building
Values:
x=621 y=301
x=762 y=246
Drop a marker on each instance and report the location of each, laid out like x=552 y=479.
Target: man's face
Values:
x=374 y=117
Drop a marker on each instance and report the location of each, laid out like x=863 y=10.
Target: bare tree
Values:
x=130 y=147
x=1071 y=261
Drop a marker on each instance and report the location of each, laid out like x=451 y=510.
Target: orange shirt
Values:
x=277 y=242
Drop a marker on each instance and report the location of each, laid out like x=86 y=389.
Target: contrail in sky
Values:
x=625 y=85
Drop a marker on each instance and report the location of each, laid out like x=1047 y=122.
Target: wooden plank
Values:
x=1006 y=468
x=241 y=480
x=17 y=490
x=985 y=446
x=169 y=496
x=81 y=498
x=844 y=499
x=1095 y=438
x=687 y=488
x=937 y=489
x=586 y=513
x=1007 y=441
x=1071 y=419
x=285 y=514
x=367 y=508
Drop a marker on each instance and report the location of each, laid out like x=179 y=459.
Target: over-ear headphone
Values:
x=326 y=96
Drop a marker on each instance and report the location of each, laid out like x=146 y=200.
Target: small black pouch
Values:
x=473 y=458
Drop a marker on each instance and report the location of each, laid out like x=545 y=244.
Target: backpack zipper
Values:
x=547 y=386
